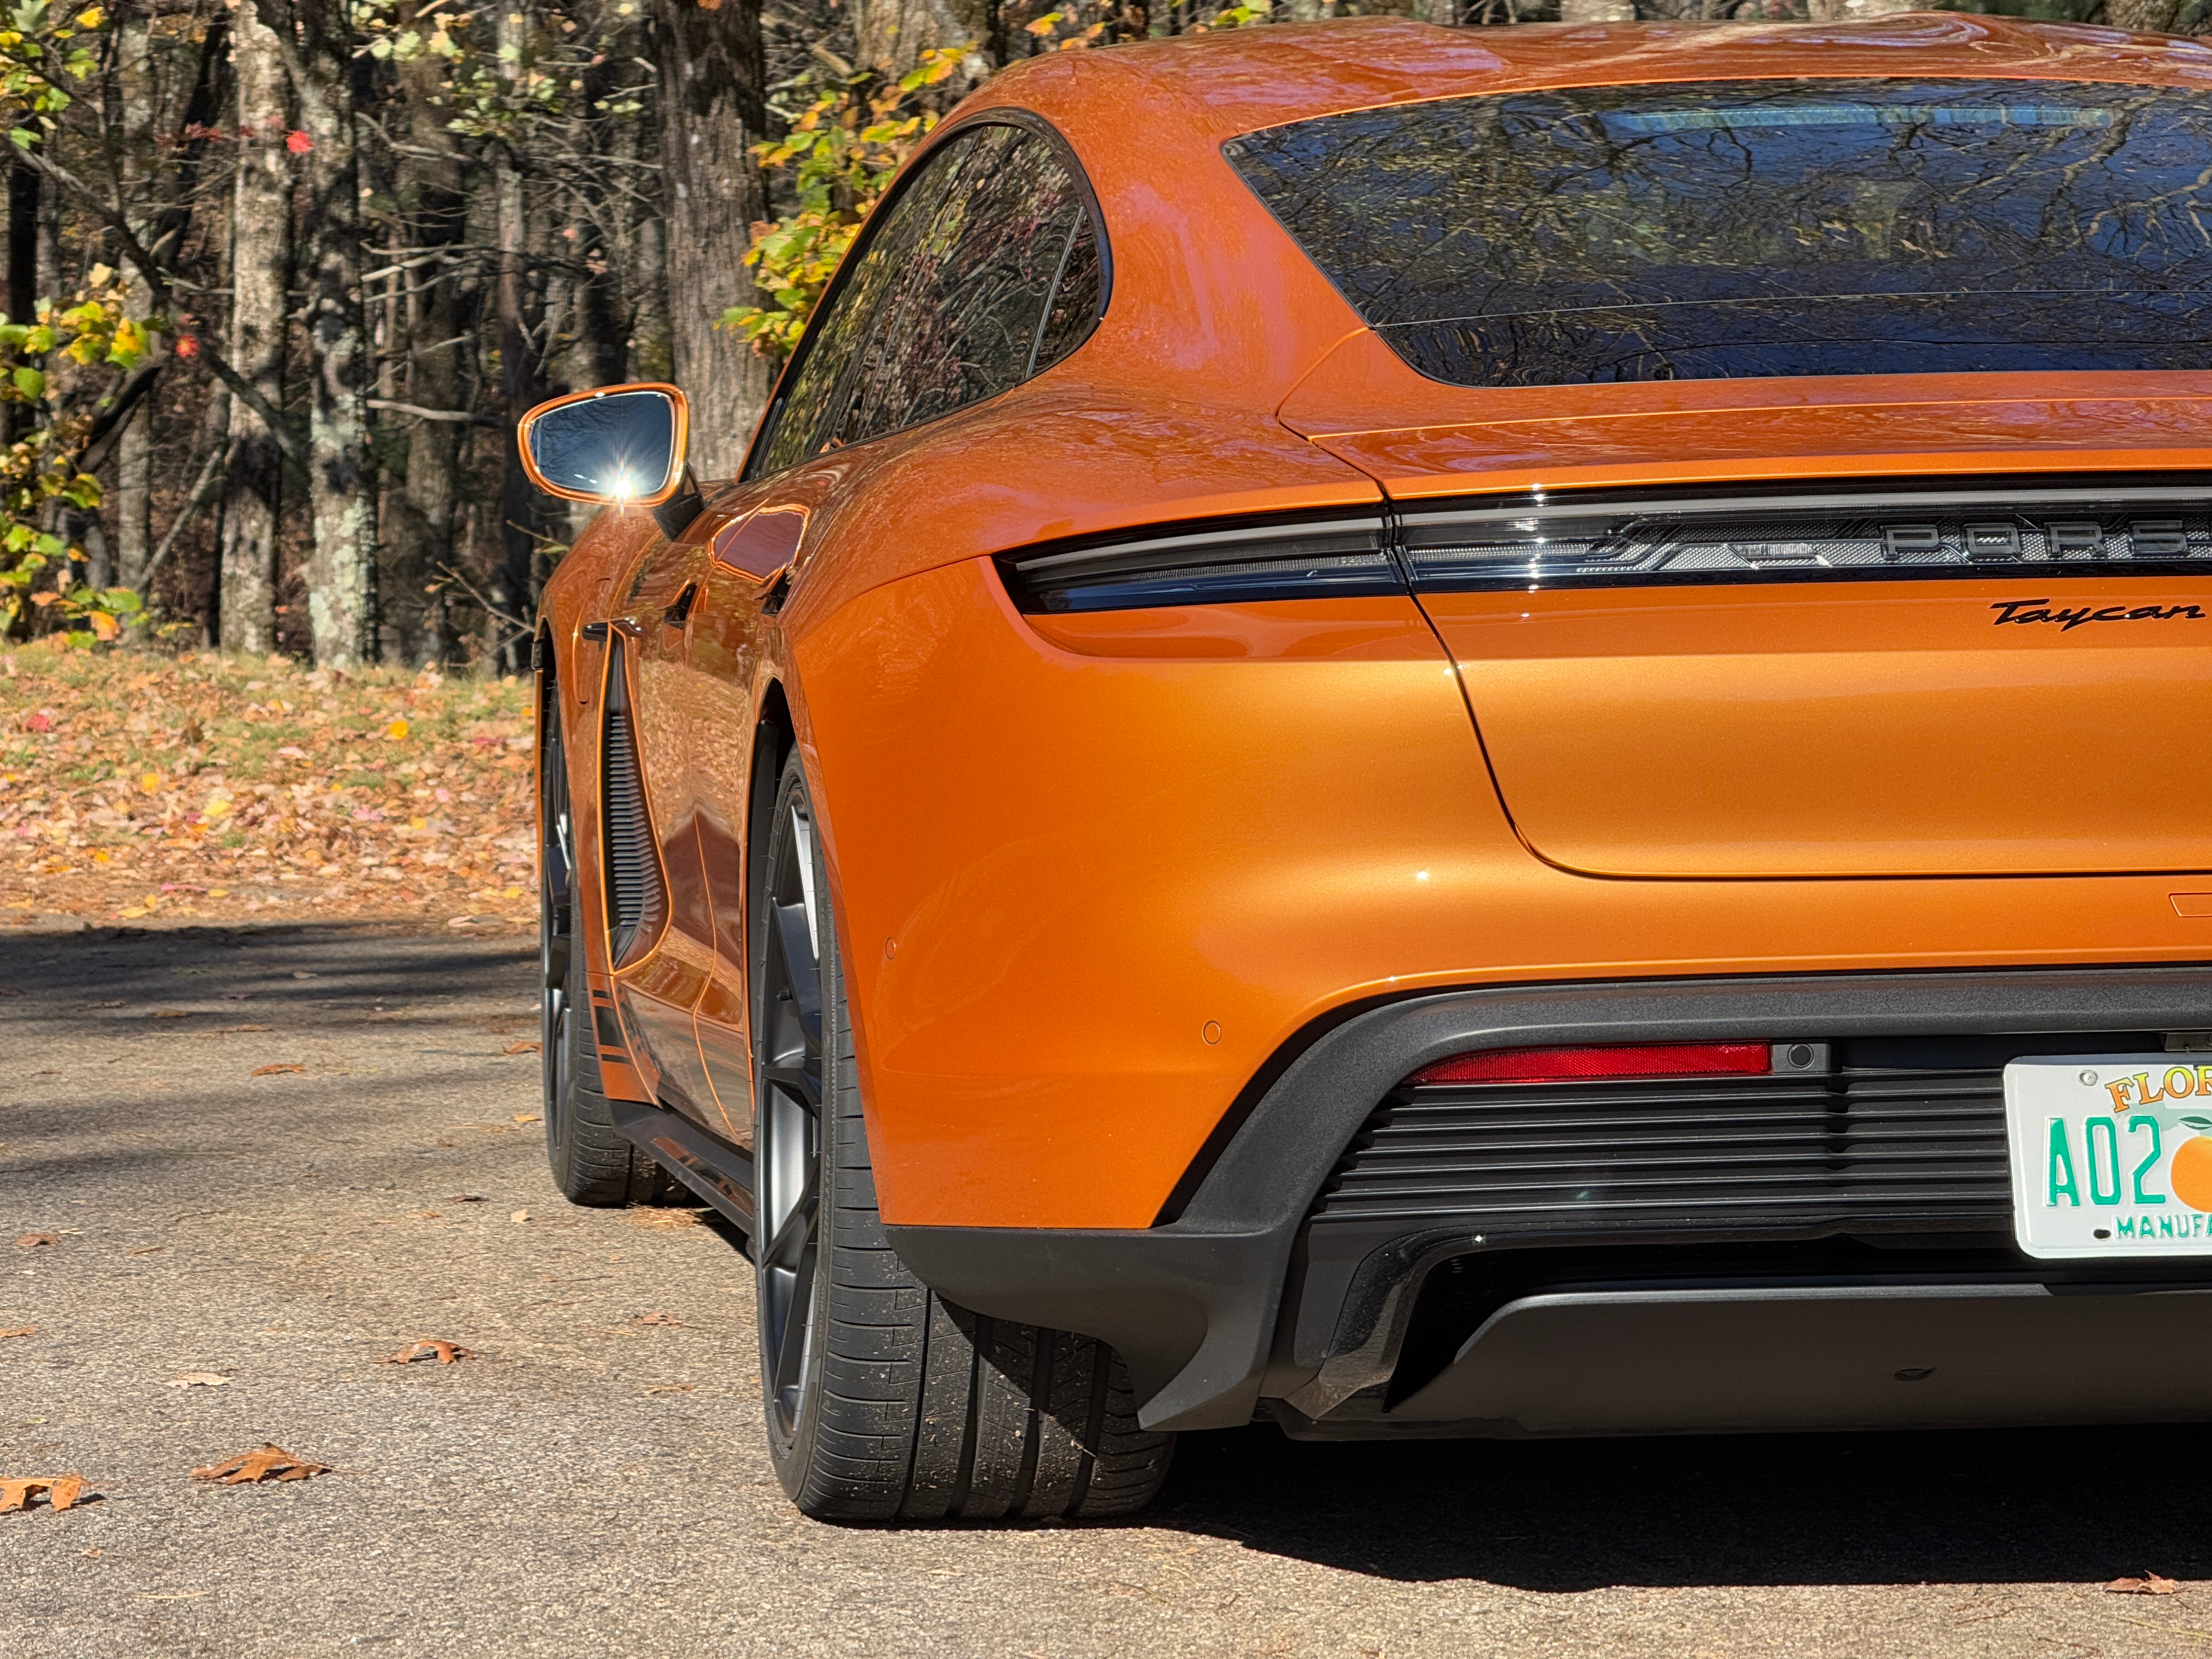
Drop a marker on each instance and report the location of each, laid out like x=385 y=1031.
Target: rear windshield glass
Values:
x=1731 y=228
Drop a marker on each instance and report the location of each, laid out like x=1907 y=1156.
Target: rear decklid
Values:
x=1810 y=479
x=1974 y=680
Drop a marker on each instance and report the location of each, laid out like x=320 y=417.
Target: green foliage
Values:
x=39 y=471
x=39 y=46
x=842 y=153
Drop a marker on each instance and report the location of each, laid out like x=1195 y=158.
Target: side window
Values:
x=825 y=374
x=988 y=271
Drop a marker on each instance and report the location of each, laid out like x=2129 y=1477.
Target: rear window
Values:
x=1718 y=230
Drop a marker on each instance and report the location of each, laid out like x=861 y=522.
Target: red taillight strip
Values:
x=1577 y=1065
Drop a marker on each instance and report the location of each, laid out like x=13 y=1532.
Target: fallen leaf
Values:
x=660 y=1318
x=19 y=1330
x=270 y=1463
x=172 y=1595
x=148 y=1249
x=425 y=1215
x=674 y=1387
x=519 y=1215
x=521 y=1048
x=173 y=1013
x=2150 y=1585
x=31 y=1241
x=465 y=1198
x=272 y=1071
x=528 y=1117
x=664 y=1220
x=62 y=1490
x=201 y=1380
x=429 y=1347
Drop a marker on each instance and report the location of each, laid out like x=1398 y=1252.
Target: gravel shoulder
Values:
x=594 y=1481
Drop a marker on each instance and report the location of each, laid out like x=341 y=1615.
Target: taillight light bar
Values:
x=1600 y=1064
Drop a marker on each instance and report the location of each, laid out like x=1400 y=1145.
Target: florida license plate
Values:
x=2111 y=1154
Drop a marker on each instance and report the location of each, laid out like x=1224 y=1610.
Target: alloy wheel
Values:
x=787 y=1137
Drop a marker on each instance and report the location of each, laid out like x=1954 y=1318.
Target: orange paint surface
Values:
x=1066 y=849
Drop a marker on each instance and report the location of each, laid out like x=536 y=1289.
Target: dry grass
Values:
x=135 y=785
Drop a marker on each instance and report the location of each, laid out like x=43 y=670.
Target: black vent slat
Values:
x=635 y=902
x=1689 y=1152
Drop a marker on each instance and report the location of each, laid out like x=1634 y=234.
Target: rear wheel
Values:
x=593 y=1163
x=884 y=1400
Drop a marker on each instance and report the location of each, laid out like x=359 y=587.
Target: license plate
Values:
x=2112 y=1155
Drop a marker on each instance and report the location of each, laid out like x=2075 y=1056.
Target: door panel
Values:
x=750 y=561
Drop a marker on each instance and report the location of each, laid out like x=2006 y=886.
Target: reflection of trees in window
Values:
x=985 y=269
x=965 y=325
x=1837 y=226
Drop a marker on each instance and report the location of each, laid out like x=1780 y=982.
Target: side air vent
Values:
x=1333 y=558
x=636 y=903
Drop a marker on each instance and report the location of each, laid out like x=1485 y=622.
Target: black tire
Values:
x=884 y=1400
x=593 y=1164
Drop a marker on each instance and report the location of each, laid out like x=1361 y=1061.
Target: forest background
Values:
x=280 y=275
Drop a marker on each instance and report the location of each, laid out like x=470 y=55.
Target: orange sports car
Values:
x=1428 y=732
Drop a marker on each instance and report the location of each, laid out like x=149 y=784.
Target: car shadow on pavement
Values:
x=2034 y=1505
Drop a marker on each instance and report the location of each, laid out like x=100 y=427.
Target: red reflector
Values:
x=1570 y=1064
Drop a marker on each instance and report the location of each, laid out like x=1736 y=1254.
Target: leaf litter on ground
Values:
x=220 y=788
x=270 y=1462
x=201 y=1380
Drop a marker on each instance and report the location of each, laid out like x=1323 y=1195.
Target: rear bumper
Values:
x=1718 y=1360
x=1239 y=1299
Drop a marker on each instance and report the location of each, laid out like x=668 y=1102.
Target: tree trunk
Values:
x=418 y=531
x=341 y=502
x=261 y=274
x=134 y=450
x=2156 y=16
x=711 y=113
x=22 y=275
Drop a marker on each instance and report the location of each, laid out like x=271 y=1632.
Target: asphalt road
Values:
x=594 y=1481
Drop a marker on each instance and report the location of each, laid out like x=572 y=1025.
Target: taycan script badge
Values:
x=2071 y=616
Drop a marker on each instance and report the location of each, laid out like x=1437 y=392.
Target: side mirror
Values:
x=619 y=445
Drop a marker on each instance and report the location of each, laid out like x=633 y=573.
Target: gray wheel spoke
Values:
x=795 y=1234
x=794 y=947
x=795 y=1080
x=787 y=1124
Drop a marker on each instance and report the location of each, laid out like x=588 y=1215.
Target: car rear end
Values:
x=1802 y=477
